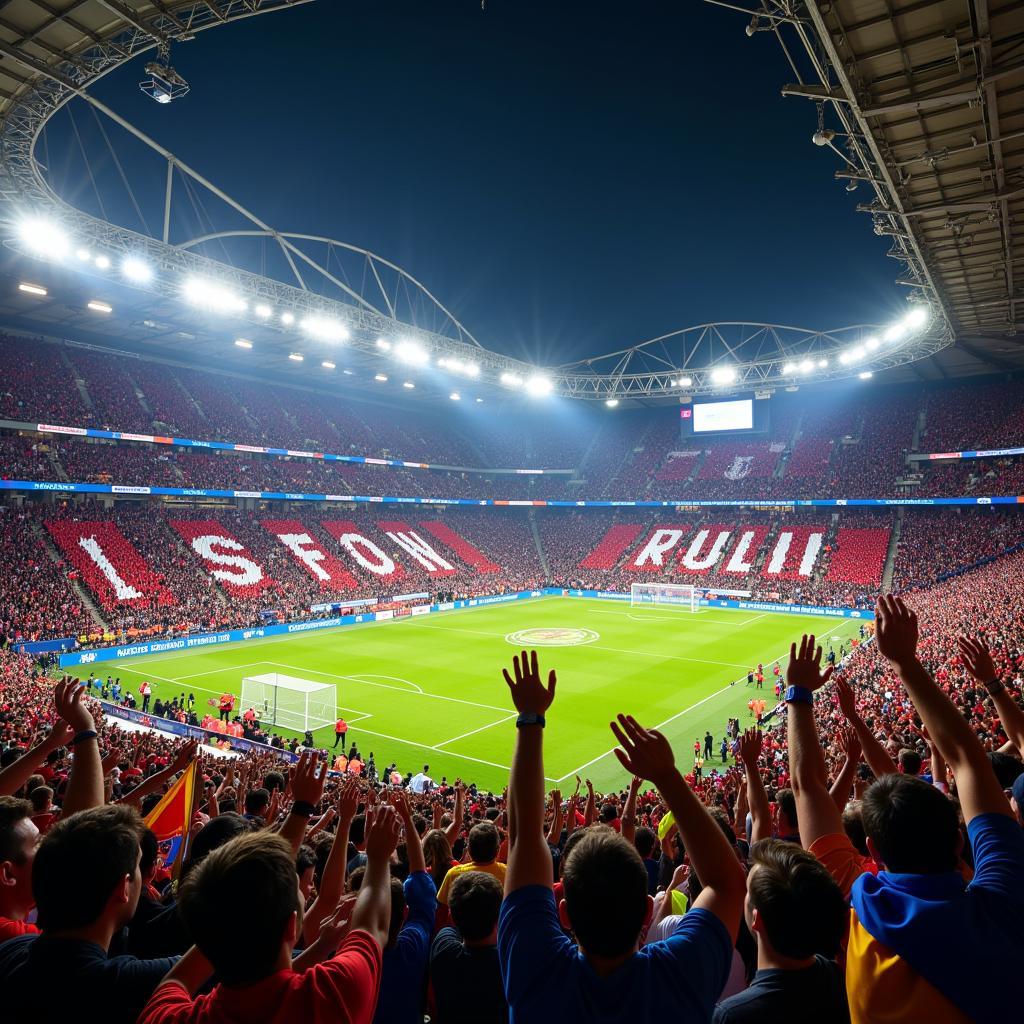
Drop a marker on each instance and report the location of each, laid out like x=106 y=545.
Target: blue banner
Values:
x=64 y=643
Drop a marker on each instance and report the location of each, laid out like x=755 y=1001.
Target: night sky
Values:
x=568 y=177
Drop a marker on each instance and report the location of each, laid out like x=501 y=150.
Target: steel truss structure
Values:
x=690 y=361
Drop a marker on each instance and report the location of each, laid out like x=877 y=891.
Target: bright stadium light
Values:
x=894 y=333
x=822 y=363
x=263 y=311
x=383 y=344
x=99 y=307
x=539 y=386
x=685 y=382
x=348 y=373
x=84 y=255
x=325 y=329
x=866 y=375
x=328 y=365
x=102 y=262
x=806 y=366
x=455 y=396
x=471 y=370
x=858 y=352
x=408 y=384
x=871 y=344
x=916 y=318
x=296 y=357
x=136 y=270
x=788 y=369
x=243 y=343
x=611 y=402
x=845 y=358
x=32 y=289
x=723 y=374
x=287 y=319
x=410 y=352
x=479 y=401
x=44 y=238
x=212 y=296
x=511 y=380
x=382 y=377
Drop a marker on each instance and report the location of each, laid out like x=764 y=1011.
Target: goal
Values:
x=672 y=595
x=290 y=702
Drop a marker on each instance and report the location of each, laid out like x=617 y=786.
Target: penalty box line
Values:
x=679 y=714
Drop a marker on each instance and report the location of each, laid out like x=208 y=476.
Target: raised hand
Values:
x=849 y=744
x=895 y=630
x=529 y=694
x=977 y=659
x=846 y=699
x=67 y=699
x=348 y=799
x=804 y=668
x=333 y=929
x=645 y=752
x=750 y=748
x=307 y=785
x=108 y=763
x=382 y=831
x=60 y=735
x=185 y=755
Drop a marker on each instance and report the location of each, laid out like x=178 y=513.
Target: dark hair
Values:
x=483 y=842
x=605 y=893
x=257 y=801
x=1006 y=766
x=214 y=834
x=803 y=911
x=80 y=862
x=910 y=761
x=272 y=781
x=40 y=797
x=853 y=826
x=150 y=848
x=787 y=804
x=241 y=937
x=913 y=825
x=607 y=814
x=305 y=859
x=575 y=838
x=438 y=852
x=357 y=830
x=397 y=909
x=12 y=811
x=474 y=901
x=645 y=840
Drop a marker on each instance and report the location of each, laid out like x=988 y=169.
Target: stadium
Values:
x=288 y=551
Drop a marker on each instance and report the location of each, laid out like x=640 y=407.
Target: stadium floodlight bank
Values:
x=683 y=596
x=289 y=702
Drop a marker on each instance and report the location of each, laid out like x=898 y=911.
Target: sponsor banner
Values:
x=64 y=643
x=760 y=606
x=122 y=436
x=49 y=428
x=388 y=614
x=407 y=597
x=118 y=489
x=419 y=609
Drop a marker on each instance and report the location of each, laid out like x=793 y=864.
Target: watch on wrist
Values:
x=994 y=686
x=799 y=695
x=529 y=718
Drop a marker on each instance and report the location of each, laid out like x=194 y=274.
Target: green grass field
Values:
x=429 y=689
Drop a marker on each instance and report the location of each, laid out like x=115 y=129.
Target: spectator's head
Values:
x=245 y=939
x=258 y=802
x=1017 y=797
x=474 y=901
x=87 y=870
x=909 y=762
x=483 y=842
x=305 y=867
x=150 y=852
x=607 y=814
x=606 y=903
x=213 y=835
x=272 y=781
x=357 y=832
x=911 y=827
x=853 y=826
x=40 y=798
x=786 y=802
x=793 y=905
x=1006 y=767
x=19 y=839
x=646 y=841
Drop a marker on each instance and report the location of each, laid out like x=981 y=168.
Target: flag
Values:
x=171 y=819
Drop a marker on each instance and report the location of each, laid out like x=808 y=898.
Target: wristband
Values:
x=303 y=808
x=993 y=686
x=529 y=718
x=799 y=695
x=81 y=737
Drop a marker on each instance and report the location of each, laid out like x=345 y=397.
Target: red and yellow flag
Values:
x=171 y=819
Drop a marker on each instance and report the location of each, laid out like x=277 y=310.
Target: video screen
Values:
x=715 y=417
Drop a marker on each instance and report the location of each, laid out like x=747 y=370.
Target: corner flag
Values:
x=171 y=819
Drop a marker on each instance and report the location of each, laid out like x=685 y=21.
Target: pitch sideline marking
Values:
x=473 y=732
x=679 y=714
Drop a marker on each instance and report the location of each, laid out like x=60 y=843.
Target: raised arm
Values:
x=629 y=811
x=372 y=912
x=757 y=797
x=976 y=784
x=183 y=757
x=875 y=754
x=308 y=790
x=555 y=831
x=454 y=830
x=529 y=859
x=850 y=745
x=413 y=843
x=982 y=668
x=590 y=811
x=85 y=784
x=816 y=812
x=647 y=753
x=16 y=774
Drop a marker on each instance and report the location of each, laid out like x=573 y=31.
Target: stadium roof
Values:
x=923 y=102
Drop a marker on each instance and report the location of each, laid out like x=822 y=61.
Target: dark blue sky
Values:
x=568 y=177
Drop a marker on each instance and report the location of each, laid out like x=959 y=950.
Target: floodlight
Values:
x=539 y=386
x=102 y=262
x=325 y=329
x=383 y=344
x=858 y=352
x=511 y=380
x=162 y=83
x=455 y=396
x=844 y=358
x=916 y=318
x=99 y=307
x=822 y=363
x=84 y=255
x=685 y=382
x=262 y=310
x=479 y=401
x=866 y=375
x=471 y=370
x=348 y=373
x=212 y=296
x=327 y=364
x=136 y=270
x=611 y=402
x=408 y=384
x=243 y=343
x=411 y=352
x=723 y=374
x=287 y=319
x=806 y=366
x=296 y=357
x=44 y=238
x=788 y=369
x=32 y=289
x=382 y=377
x=871 y=344
x=894 y=333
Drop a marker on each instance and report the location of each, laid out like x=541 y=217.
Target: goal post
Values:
x=290 y=702
x=681 y=596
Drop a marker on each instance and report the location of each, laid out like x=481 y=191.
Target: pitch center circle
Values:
x=552 y=636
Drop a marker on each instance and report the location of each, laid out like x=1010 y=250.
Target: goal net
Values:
x=683 y=596
x=290 y=702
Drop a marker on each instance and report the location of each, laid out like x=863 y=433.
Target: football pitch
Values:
x=429 y=689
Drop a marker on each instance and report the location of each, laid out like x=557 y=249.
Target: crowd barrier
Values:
x=165 y=645
x=62 y=487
